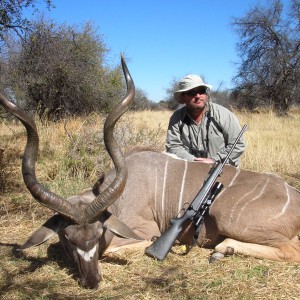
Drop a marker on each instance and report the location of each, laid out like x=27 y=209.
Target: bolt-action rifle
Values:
x=195 y=211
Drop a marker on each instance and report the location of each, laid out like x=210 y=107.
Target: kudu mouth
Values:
x=92 y=211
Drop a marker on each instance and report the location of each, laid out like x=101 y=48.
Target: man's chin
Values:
x=197 y=107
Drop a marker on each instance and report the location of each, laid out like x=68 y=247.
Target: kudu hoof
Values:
x=229 y=251
x=215 y=257
x=218 y=255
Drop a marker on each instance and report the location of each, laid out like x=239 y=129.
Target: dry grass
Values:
x=273 y=145
x=71 y=158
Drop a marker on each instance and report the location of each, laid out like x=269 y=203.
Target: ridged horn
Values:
x=115 y=189
x=38 y=191
x=55 y=202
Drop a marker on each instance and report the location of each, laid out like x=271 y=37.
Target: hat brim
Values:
x=177 y=94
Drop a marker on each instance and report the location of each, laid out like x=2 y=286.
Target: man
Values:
x=201 y=130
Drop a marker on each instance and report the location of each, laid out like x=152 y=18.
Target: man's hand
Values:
x=205 y=160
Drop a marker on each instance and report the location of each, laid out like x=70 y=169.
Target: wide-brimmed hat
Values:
x=189 y=82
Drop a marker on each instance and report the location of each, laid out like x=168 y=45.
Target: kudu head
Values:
x=82 y=222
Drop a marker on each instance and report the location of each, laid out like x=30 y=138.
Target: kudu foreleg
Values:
x=288 y=252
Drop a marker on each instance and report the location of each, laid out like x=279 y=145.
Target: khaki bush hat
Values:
x=189 y=82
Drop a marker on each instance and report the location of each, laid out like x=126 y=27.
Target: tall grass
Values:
x=72 y=156
x=273 y=145
x=74 y=147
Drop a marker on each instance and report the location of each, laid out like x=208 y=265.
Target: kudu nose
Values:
x=90 y=283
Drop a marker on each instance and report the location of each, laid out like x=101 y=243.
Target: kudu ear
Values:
x=45 y=232
x=120 y=229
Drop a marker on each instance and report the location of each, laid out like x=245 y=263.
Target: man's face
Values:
x=195 y=99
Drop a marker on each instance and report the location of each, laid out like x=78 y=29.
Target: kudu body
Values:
x=255 y=214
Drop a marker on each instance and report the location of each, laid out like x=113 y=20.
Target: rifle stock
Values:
x=160 y=248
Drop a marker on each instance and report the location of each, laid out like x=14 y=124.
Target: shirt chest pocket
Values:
x=192 y=137
x=216 y=139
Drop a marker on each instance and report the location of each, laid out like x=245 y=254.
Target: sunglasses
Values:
x=194 y=92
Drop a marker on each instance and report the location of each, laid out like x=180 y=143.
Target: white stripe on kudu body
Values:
x=286 y=205
x=183 y=184
x=156 y=191
x=237 y=203
x=234 y=178
x=164 y=186
x=259 y=192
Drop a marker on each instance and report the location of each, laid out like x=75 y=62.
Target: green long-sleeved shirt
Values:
x=184 y=136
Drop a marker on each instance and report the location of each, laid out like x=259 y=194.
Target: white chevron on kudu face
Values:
x=87 y=255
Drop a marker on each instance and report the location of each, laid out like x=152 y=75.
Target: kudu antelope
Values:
x=255 y=214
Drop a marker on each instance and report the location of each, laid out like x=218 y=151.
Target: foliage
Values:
x=169 y=101
x=269 y=43
x=141 y=101
x=60 y=70
x=11 y=16
x=49 y=68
